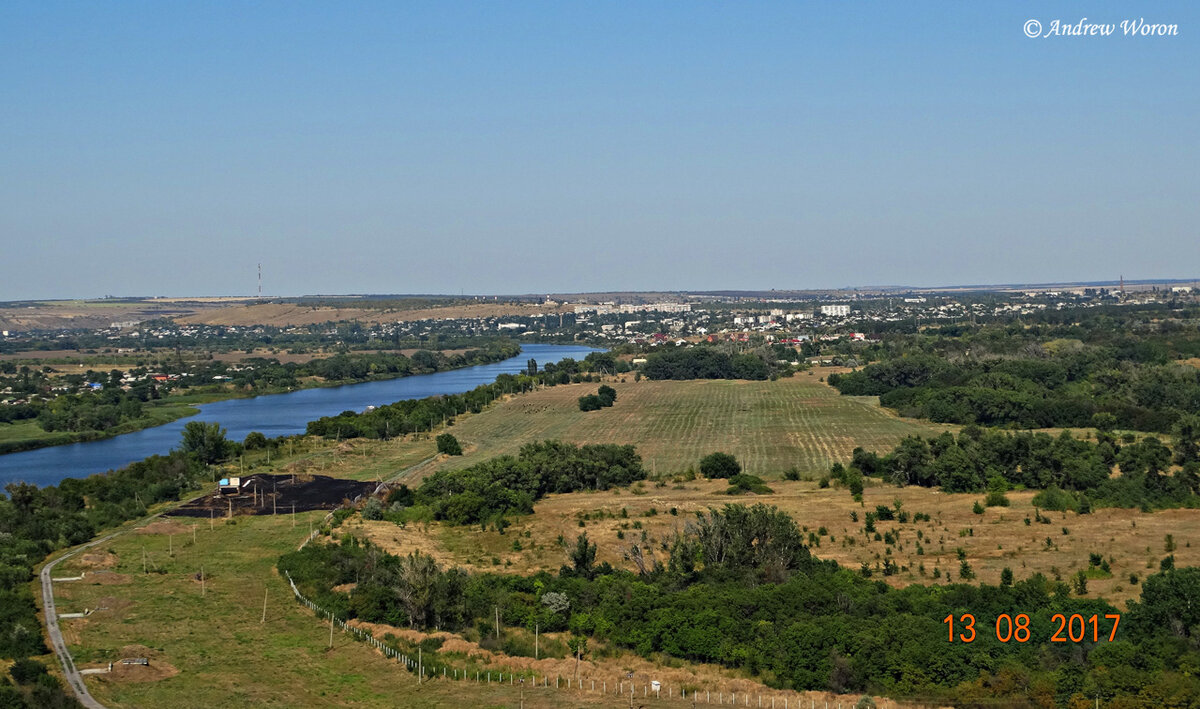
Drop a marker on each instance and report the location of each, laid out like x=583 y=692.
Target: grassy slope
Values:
x=769 y=426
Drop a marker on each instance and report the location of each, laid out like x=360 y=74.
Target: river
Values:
x=272 y=415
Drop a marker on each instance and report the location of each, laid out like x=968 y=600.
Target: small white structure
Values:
x=837 y=311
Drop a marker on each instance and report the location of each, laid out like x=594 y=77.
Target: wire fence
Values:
x=630 y=687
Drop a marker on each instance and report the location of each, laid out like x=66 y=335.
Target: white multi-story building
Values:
x=837 y=311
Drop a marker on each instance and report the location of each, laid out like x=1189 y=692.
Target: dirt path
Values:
x=70 y=673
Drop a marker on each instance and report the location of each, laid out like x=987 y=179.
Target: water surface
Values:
x=272 y=414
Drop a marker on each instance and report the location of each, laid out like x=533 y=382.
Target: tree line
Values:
x=1128 y=380
x=704 y=362
x=509 y=485
x=980 y=459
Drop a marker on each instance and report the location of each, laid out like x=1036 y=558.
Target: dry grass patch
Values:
x=1131 y=541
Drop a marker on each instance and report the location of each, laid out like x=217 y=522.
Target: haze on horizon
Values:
x=156 y=149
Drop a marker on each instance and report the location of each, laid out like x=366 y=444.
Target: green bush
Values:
x=719 y=465
x=742 y=483
x=448 y=444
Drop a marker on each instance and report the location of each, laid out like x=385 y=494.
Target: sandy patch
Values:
x=97 y=560
x=163 y=526
x=104 y=577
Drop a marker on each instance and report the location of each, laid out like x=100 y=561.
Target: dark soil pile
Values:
x=278 y=494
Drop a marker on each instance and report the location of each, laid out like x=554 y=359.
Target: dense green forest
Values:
x=1123 y=365
x=707 y=363
x=741 y=589
x=1075 y=473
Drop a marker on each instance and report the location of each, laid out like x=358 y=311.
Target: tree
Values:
x=556 y=602
x=1104 y=421
x=608 y=395
x=448 y=444
x=1169 y=603
x=1080 y=583
x=531 y=367
x=254 y=440
x=719 y=465
x=583 y=555
x=591 y=402
x=206 y=441
x=417 y=575
x=1187 y=439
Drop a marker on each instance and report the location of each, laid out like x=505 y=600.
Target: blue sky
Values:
x=167 y=148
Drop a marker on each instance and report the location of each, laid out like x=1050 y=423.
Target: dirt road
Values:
x=70 y=673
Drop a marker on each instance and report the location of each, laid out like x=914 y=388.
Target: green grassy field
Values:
x=769 y=426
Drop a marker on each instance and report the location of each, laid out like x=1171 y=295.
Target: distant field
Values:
x=289 y=314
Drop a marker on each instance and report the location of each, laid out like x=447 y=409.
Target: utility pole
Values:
x=143 y=558
x=535 y=641
x=330 y=631
x=264 y=615
x=497 y=622
x=202 y=588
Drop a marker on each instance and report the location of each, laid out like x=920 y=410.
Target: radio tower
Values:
x=1122 y=286
x=260 y=281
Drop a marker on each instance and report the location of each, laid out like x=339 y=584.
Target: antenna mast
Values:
x=260 y=281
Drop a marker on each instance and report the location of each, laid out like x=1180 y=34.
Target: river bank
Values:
x=28 y=435
x=273 y=415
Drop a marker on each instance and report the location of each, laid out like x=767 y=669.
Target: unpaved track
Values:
x=74 y=680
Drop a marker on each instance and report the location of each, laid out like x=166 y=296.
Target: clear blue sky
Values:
x=165 y=148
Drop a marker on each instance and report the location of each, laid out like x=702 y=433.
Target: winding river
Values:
x=273 y=415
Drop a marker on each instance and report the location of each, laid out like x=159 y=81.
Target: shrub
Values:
x=996 y=499
x=448 y=444
x=719 y=465
x=591 y=402
x=1054 y=498
x=27 y=671
x=742 y=483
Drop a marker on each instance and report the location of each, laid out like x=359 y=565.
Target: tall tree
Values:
x=206 y=441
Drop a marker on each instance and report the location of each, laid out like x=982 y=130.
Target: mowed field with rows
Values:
x=769 y=426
